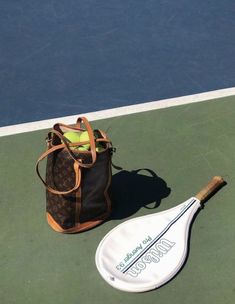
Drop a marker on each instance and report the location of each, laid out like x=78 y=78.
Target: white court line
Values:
x=120 y=111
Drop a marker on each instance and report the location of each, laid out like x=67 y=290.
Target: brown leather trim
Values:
x=79 y=227
x=56 y=226
x=76 y=170
x=91 y=139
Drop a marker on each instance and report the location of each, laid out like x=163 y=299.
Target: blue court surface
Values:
x=159 y=78
x=62 y=58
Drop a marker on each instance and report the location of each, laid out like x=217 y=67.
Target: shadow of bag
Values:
x=77 y=182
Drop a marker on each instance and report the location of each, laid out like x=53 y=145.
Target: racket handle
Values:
x=210 y=189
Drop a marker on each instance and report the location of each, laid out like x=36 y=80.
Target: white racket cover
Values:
x=144 y=253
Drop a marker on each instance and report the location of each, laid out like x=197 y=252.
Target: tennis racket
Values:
x=144 y=253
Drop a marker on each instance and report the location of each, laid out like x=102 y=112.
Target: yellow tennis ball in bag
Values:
x=85 y=137
x=81 y=148
x=72 y=137
x=99 y=148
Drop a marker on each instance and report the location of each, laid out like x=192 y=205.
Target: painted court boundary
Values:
x=120 y=111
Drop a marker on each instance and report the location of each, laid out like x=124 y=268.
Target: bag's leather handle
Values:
x=65 y=144
x=88 y=127
x=76 y=170
x=57 y=130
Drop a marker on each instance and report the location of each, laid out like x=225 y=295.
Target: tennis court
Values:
x=159 y=78
x=189 y=145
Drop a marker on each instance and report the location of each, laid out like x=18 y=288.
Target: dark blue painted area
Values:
x=67 y=57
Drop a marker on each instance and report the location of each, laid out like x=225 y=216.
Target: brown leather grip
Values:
x=211 y=188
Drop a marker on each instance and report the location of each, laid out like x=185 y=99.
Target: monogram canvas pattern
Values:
x=60 y=175
x=89 y=202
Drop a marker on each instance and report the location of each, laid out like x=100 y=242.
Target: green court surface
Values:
x=185 y=146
